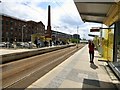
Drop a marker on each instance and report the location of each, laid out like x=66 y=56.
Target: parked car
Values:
x=10 y=45
x=2 y=44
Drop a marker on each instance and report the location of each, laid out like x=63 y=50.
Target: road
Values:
x=22 y=73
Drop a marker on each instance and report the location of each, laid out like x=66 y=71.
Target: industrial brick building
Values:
x=18 y=30
x=14 y=29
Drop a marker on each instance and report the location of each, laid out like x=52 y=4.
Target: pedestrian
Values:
x=50 y=43
x=36 y=42
x=91 y=50
x=46 y=43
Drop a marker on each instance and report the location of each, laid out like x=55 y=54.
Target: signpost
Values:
x=95 y=29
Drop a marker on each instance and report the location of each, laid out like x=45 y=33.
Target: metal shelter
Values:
x=105 y=12
x=98 y=12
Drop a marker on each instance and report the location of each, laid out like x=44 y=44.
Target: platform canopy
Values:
x=98 y=11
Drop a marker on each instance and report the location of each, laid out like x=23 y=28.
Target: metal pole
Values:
x=77 y=36
x=22 y=33
x=101 y=47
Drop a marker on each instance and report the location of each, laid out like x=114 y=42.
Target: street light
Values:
x=77 y=36
x=22 y=32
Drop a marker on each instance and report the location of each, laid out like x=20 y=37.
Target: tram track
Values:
x=22 y=73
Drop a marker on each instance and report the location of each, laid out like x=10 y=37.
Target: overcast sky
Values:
x=64 y=15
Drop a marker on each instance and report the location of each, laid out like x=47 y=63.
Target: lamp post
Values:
x=22 y=32
x=77 y=36
x=14 y=43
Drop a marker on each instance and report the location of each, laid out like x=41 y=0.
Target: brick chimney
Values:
x=49 y=24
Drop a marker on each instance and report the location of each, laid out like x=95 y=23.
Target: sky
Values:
x=64 y=15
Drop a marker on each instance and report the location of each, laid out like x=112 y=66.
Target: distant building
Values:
x=76 y=36
x=13 y=29
x=59 y=35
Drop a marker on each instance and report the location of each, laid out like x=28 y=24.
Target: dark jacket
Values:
x=91 y=47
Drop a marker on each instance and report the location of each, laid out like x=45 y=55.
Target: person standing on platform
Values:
x=91 y=50
x=36 y=42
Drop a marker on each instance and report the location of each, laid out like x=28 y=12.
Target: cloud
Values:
x=23 y=11
x=68 y=20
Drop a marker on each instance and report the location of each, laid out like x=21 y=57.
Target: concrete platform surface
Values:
x=4 y=51
x=77 y=72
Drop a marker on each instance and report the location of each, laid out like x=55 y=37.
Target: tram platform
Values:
x=78 y=72
x=8 y=55
x=4 y=51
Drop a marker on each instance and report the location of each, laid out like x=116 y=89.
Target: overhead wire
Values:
x=32 y=8
x=55 y=1
x=5 y=6
x=72 y=18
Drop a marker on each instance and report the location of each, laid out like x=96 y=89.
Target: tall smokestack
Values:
x=49 y=23
x=49 y=19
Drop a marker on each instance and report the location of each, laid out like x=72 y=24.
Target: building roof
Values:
x=94 y=11
x=12 y=17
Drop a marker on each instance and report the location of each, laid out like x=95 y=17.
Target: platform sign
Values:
x=95 y=29
x=92 y=35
